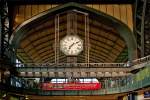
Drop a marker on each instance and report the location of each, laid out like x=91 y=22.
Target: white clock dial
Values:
x=71 y=45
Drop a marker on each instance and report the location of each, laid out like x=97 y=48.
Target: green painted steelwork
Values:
x=133 y=85
x=122 y=56
x=123 y=29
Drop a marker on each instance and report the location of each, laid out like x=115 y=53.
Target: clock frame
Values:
x=71 y=45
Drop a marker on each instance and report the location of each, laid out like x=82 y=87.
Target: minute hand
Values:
x=73 y=44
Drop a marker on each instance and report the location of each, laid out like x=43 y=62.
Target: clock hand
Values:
x=77 y=42
x=73 y=44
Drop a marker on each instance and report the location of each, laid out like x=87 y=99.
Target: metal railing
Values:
x=93 y=65
x=131 y=86
x=69 y=65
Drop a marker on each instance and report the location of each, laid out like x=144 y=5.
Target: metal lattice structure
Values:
x=6 y=52
x=142 y=26
x=5 y=31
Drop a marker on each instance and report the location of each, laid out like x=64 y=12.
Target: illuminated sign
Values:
x=71 y=86
x=147 y=94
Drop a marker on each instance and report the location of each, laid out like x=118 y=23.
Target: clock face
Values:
x=71 y=45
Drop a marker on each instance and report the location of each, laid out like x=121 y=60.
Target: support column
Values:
x=4 y=28
x=139 y=21
x=6 y=52
x=142 y=30
x=57 y=39
x=7 y=55
x=87 y=58
x=0 y=29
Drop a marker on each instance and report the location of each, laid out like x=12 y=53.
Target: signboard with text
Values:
x=70 y=86
x=147 y=94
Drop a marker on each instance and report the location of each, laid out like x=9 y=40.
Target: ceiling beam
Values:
x=124 y=31
x=77 y=1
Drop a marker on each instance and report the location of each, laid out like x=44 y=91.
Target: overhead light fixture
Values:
x=147 y=42
x=4 y=95
x=7 y=72
x=26 y=97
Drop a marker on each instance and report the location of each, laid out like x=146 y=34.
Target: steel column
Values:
x=5 y=49
x=140 y=13
x=0 y=34
x=142 y=30
x=57 y=39
x=147 y=29
x=87 y=39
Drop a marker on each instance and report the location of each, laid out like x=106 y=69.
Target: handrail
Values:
x=71 y=65
x=96 y=65
x=141 y=60
x=131 y=85
x=127 y=88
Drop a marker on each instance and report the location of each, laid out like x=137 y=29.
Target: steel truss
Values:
x=147 y=29
x=6 y=53
x=81 y=69
x=142 y=26
x=75 y=72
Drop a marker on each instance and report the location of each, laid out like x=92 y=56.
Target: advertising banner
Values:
x=71 y=86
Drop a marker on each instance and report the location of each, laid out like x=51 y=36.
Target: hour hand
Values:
x=77 y=42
